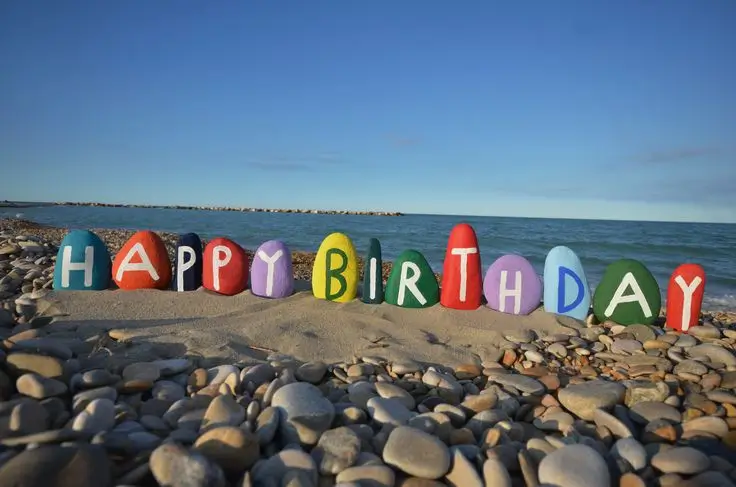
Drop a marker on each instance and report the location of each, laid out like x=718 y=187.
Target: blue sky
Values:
x=572 y=108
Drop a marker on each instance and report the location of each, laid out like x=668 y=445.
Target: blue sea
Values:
x=660 y=246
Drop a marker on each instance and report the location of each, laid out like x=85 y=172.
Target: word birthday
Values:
x=628 y=293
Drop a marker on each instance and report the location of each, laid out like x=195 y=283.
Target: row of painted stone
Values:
x=628 y=293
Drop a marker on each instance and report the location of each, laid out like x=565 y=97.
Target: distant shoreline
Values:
x=10 y=204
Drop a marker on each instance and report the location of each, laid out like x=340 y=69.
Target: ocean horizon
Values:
x=661 y=246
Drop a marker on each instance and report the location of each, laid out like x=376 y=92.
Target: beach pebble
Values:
x=416 y=453
x=709 y=424
x=523 y=383
x=690 y=367
x=336 y=450
x=367 y=475
x=646 y=411
x=632 y=451
x=463 y=472
x=273 y=470
x=495 y=473
x=625 y=346
x=143 y=371
x=223 y=411
x=590 y=468
x=387 y=391
x=389 y=411
x=171 y=464
x=682 y=460
x=97 y=416
x=583 y=399
x=715 y=353
x=305 y=411
x=234 y=449
x=80 y=465
x=311 y=372
x=39 y=387
x=21 y=362
x=448 y=387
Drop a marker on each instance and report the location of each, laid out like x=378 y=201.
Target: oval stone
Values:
x=335 y=270
x=627 y=294
x=412 y=283
x=272 y=273
x=82 y=263
x=512 y=286
x=224 y=267
x=373 y=274
x=187 y=263
x=685 y=293
x=142 y=263
x=462 y=279
x=566 y=289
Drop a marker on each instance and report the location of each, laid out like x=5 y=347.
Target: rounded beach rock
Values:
x=574 y=466
x=305 y=412
x=416 y=453
x=583 y=399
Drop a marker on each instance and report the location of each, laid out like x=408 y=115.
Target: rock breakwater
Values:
x=235 y=208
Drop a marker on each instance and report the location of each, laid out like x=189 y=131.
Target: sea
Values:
x=660 y=246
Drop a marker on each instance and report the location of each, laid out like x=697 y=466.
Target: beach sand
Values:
x=224 y=328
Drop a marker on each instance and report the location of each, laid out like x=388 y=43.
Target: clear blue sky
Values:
x=572 y=108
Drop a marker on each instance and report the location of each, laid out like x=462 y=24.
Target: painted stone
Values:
x=566 y=289
x=82 y=263
x=272 y=274
x=512 y=286
x=335 y=272
x=373 y=274
x=412 y=283
x=188 y=263
x=462 y=279
x=224 y=267
x=142 y=263
x=627 y=294
x=685 y=296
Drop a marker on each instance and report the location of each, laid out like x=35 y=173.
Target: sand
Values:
x=244 y=328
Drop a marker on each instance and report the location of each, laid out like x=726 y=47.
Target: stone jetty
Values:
x=234 y=208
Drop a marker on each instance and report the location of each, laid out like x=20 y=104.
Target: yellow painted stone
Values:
x=335 y=271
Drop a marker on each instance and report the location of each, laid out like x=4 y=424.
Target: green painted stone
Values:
x=412 y=283
x=373 y=274
x=620 y=282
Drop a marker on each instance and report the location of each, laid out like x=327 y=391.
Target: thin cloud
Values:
x=289 y=164
x=676 y=155
x=398 y=141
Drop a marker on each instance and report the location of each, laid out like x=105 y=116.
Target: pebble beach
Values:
x=114 y=388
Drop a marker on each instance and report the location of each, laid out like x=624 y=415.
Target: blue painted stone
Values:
x=272 y=273
x=566 y=289
x=77 y=248
x=187 y=263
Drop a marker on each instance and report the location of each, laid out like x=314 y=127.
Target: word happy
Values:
x=628 y=293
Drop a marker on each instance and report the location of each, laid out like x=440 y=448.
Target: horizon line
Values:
x=458 y=215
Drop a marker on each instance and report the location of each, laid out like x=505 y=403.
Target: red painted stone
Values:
x=685 y=296
x=455 y=293
x=142 y=263
x=224 y=267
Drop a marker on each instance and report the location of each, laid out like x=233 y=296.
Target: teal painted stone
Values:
x=373 y=274
x=566 y=289
x=627 y=294
x=412 y=283
x=82 y=263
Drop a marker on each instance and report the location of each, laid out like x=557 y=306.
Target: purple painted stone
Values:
x=273 y=256
x=509 y=269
